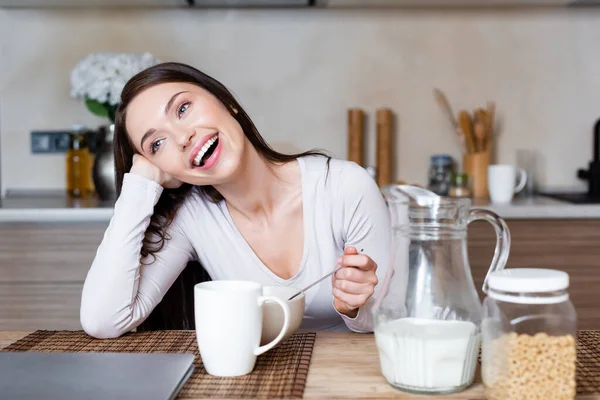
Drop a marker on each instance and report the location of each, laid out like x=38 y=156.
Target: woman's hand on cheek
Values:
x=144 y=168
x=354 y=283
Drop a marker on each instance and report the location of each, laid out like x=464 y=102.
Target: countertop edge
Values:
x=105 y=214
x=56 y=214
x=559 y=211
x=535 y=208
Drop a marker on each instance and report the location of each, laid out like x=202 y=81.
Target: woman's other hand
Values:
x=355 y=283
x=144 y=168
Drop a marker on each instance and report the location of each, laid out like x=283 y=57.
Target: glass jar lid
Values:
x=441 y=159
x=529 y=285
x=528 y=280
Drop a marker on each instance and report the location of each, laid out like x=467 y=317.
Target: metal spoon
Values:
x=315 y=282
x=319 y=280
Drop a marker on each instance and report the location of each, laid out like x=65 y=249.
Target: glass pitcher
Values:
x=427 y=317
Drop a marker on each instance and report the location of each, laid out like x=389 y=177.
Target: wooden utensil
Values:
x=466 y=126
x=479 y=129
x=442 y=100
x=489 y=129
x=480 y=136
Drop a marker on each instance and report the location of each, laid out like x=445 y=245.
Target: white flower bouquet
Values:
x=99 y=78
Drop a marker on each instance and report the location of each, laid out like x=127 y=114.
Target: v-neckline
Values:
x=305 y=226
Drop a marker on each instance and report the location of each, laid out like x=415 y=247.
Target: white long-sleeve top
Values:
x=342 y=207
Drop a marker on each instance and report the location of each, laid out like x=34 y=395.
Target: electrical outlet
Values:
x=49 y=142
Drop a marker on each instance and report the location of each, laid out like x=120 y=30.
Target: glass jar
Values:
x=440 y=174
x=528 y=336
x=459 y=188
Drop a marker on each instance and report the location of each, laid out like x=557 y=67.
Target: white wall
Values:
x=298 y=71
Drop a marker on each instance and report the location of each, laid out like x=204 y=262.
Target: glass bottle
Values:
x=79 y=163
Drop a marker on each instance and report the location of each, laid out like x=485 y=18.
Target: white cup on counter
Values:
x=503 y=183
x=229 y=319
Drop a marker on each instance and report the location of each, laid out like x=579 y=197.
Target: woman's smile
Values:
x=205 y=152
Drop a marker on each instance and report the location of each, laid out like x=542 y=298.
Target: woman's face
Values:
x=186 y=132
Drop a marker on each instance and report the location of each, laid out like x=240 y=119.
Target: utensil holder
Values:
x=475 y=165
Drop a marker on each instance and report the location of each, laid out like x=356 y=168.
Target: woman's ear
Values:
x=233 y=109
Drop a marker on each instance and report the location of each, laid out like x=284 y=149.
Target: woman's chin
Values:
x=224 y=171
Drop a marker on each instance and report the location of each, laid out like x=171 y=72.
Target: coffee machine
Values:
x=591 y=175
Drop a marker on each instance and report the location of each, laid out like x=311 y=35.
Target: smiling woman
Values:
x=196 y=181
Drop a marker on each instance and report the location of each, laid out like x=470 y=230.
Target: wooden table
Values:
x=344 y=366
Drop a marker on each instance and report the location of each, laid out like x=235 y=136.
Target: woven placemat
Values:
x=279 y=373
x=588 y=362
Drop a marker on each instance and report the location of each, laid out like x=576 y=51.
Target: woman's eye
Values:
x=154 y=146
x=182 y=109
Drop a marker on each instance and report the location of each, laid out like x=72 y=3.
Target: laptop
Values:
x=93 y=376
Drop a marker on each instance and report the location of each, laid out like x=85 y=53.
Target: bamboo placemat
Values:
x=279 y=373
x=588 y=362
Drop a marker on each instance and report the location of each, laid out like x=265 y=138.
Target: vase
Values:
x=104 y=164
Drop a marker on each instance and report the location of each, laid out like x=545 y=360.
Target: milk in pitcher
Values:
x=419 y=354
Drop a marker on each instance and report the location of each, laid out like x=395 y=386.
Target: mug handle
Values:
x=522 y=180
x=286 y=323
x=502 y=240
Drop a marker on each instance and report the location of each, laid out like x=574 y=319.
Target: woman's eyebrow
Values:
x=150 y=131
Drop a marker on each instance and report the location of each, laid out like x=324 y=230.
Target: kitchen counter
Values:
x=538 y=207
x=53 y=206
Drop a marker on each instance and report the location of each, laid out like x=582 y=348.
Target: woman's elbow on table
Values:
x=98 y=322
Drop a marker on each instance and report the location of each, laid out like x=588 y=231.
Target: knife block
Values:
x=475 y=165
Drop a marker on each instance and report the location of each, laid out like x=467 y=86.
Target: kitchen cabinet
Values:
x=42 y=270
x=569 y=245
x=43 y=265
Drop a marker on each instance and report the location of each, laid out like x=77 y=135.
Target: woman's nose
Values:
x=184 y=137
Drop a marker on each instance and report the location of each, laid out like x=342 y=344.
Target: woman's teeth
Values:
x=204 y=149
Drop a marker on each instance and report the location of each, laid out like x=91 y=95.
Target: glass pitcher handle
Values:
x=502 y=240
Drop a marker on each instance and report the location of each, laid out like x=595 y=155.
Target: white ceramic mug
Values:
x=273 y=315
x=229 y=318
x=502 y=182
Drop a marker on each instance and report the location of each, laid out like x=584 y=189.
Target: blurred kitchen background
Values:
x=366 y=83
x=298 y=71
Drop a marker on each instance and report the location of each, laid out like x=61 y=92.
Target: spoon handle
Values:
x=315 y=282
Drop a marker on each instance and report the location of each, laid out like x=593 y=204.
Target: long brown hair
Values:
x=171 y=199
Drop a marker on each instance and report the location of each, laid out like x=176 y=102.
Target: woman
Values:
x=197 y=181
